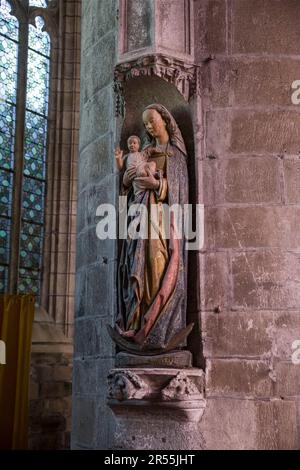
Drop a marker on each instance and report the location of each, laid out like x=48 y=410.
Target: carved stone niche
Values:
x=175 y=393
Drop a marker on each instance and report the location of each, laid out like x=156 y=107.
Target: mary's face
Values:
x=154 y=123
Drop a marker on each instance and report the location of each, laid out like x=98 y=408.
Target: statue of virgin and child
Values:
x=152 y=271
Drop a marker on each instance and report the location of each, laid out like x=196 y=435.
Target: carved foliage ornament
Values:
x=127 y=385
x=185 y=77
x=180 y=388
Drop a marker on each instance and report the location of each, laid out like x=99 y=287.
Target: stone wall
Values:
x=251 y=194
x=50 y=401
x=96 y=259
x=50 y=393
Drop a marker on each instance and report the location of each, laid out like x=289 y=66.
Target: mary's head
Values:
x=161 y=126
x=158 y=121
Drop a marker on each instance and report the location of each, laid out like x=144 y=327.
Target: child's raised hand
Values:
x=119 y=158
x=118 y=153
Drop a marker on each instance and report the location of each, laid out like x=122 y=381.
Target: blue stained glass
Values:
x=34 y=187
x=38 y=83
x=4 y=240
x=8 y=69
x=31 y=244
x=38 y=40
x=35 y=140
x=9 y=35
x=35 y=152
x=3 y=279
x=7 y=118
x=29 y=281
x=35 y=145
x=32 y=230
x=33 y=205
x=6 y=179
x=9 y=25
x=38 y=3
x=7 y=134
x=34 y=166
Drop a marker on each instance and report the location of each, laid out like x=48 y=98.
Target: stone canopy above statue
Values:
x=153 y=26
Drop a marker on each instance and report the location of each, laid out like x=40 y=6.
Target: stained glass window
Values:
x=38 y=3
x=35 y=153
x=9 y=34
x=29 y=243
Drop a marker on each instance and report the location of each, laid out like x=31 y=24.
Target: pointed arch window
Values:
x=25 y=50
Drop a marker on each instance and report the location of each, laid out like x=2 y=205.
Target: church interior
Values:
x=111 y=342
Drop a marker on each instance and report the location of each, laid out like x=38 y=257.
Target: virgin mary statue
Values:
x=152 y=270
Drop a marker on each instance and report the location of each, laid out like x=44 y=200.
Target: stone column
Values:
x=94 y=351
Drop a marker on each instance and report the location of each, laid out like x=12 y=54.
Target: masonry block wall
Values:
x=50 y=401
x=96 y=259
x=250 y=266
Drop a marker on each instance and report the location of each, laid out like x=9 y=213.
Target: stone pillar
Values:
x=156 y=27
x=95 y=307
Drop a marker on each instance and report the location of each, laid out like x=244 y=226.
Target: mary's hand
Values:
x=129 y=176
x=147 y=182
x=131 y=172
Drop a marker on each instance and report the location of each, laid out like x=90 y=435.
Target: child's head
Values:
x=133 y=143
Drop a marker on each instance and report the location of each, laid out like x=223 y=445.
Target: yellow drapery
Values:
x=16 y=319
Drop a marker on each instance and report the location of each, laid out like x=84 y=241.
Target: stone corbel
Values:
x=184 y=76
x=178 y=393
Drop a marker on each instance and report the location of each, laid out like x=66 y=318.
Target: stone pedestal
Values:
x=148 y=402
x=177 y=359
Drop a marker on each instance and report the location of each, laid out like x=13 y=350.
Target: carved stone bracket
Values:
x=184 y=76
x=174 y=392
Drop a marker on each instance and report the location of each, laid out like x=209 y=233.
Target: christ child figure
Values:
x=136 y=164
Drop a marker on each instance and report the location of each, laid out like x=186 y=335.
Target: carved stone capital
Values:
x=183 y=75
x=177 y=393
